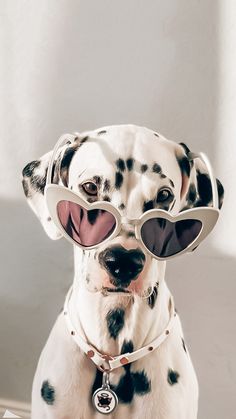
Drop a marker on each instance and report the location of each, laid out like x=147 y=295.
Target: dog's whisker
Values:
x=147 y=293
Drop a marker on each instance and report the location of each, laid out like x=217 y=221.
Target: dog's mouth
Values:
x=107 y=290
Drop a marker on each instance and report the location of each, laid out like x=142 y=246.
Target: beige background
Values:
x=74 y=65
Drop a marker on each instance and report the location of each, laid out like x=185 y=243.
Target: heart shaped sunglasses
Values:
x=161 y=234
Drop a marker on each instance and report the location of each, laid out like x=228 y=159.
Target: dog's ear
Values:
x=34 y=182
x=196 y=185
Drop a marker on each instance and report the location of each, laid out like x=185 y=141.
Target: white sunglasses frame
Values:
x=208 y=216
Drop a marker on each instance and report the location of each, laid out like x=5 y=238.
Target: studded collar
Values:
x=106 y=362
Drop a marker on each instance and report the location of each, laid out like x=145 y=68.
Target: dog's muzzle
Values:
x=122 y=265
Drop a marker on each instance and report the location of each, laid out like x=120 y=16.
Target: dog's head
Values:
x=136 y=170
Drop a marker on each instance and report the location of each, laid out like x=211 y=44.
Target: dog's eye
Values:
x=163 y=195
x=90 y=188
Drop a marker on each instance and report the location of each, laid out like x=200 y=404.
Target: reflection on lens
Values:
x=164 y=238
x=86 y=227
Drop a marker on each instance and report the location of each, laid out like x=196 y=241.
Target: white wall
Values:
x=75 y=65
x=225 y=235
x=81 y=64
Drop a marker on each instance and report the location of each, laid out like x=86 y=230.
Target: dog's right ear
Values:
x=34 y=182
x=196 y=184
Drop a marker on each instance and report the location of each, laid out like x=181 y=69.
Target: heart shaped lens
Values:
x=164 y=238
x=86 y=227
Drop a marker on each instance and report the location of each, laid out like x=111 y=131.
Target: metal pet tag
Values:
x=104 y=399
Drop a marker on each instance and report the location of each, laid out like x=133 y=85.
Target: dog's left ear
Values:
x=34 y=181
x=196 y=188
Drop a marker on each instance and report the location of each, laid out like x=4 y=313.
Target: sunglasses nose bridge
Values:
x=128 y=226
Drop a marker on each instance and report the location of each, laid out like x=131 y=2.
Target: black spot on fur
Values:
x=66 y=161
x=118 y=180
x=163 y=176
x=83 y=140
x=156 y=168
x=141 y=383
x=131 y=383
x=130 y=163
x=130 y=234
x=192 y=194
x=97 y=180
x=106 y=198
x=92 y=216
x=55 y=171
x=107 y=185
x=125 y=388
x=90 y=199
x=153 y=297
x=122 y=206
x=67 y=157
x=204 y=189
x=156 y=135
x=172 y=183
x=30 y=167
x=187 y=151
x=148 y=205
x=220 y=189
x=115 y=321
x=184 y=165
x=48 y=393
x=143 y=168
x=38 y=182
x=184 y=346
x=120 y=165
x=172 y=377
x=185 y=147
x=102 y=132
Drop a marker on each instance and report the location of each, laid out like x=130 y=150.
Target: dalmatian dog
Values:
x=135 y=169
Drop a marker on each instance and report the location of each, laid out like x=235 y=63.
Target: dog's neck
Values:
x=107 y=322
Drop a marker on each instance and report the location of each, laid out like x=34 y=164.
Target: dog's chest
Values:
x=153 y=384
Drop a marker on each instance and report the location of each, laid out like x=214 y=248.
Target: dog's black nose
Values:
x=122 y=265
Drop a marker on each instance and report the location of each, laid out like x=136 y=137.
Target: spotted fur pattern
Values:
x=130 y=167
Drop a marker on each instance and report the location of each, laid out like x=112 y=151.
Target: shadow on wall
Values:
x=35 y=276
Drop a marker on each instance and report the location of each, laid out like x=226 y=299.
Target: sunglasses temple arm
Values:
x=204 y=158
x=64 y=138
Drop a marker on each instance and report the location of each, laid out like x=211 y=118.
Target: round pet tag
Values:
x=105 y=400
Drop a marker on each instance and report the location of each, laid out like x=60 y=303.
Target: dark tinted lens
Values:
x=164 y=238
x=85 y=227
